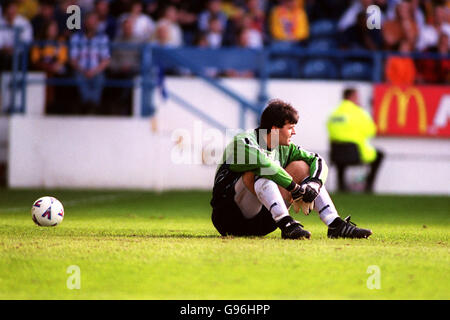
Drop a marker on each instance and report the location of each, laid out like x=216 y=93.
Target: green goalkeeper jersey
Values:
x=247 y=153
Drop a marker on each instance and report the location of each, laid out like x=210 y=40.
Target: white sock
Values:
x=325 y=207
x=268 y=193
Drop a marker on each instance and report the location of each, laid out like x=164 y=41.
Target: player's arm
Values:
x=317 y=165
x=246 y=155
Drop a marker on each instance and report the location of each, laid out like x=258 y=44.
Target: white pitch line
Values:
x=76 y=202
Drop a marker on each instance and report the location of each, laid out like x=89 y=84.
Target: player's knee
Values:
x=299 y=170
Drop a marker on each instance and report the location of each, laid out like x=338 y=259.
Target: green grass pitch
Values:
x=144 y=245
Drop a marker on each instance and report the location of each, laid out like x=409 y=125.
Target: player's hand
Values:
x=306 y=207
x=312 y=189
x=298 y=192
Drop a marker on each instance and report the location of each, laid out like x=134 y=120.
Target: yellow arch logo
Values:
x=403 y=99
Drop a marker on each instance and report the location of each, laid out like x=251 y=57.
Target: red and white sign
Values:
x=412 y=111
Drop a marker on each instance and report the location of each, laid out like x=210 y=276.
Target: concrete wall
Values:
x=166 y=152
x=4 y=123
x=95 y=152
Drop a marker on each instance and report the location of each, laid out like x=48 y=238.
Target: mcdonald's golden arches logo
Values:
x=403 y=102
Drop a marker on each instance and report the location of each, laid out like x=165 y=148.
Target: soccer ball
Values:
x=47 y=212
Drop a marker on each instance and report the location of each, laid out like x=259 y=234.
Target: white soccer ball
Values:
x=47 y=212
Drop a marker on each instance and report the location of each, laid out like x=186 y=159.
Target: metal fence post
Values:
x=24 y=80
x=377 y=74
x=263 y=78
x=147 y=107
x=15 y=68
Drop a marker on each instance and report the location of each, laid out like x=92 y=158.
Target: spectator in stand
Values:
x=212 y=38
x=435 y=70
x=350 y=16
x=213 y=10
x=125 y=61
x=143 y=25
x=168 y=31
x=444 y=65
x=61 y=16
x=50 y=55
x=419 y=16
x=86 y=5
x=28 y=8
x=253 y=10
x=249 y=35
x=89 y=57
x=41 y=20
x=442 y=16
x=235 y=16
x=289 y=22
x=231 y=7
x=248 y=16
x=238 y=11
x=247 y=38
x=9 y=20
x=188 y=12
x=400 y=69
x=214 y=33
x=359 y=36
x=125 y=64
x=439 y=23
x=403 y=27
x=107 y=23
x=352 y=24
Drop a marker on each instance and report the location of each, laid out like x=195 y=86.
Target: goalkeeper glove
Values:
x=306 y=207
x=311 y=189
x=297 y=192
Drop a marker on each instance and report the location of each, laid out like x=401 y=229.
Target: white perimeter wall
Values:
x=111 y=152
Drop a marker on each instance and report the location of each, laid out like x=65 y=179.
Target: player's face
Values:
x=285 y=133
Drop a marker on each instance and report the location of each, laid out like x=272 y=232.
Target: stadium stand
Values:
x=319 y=69
x=330 y=40
x=323 y=28
x=355 y=70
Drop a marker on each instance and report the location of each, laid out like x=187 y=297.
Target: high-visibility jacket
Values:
x=351 y=123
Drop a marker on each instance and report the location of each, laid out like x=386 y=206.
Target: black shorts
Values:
x=226 y=216
x=230 y=221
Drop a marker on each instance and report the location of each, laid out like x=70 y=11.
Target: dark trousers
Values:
x=344 y=155
x=227 y=217
x=90 y=88
x=229 y=220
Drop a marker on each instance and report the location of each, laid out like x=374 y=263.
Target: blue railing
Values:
x=294 y=62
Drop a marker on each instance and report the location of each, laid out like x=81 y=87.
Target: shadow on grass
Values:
x=194 y=236
x=158 y=236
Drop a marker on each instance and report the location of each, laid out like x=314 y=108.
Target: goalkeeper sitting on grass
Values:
x=262 y=174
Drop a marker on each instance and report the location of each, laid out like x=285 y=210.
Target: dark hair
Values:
x=278 y=113
x=348 y=93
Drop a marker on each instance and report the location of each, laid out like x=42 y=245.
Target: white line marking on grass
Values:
x=77 y=202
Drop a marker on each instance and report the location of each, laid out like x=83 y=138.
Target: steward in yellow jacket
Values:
x=350 y=129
